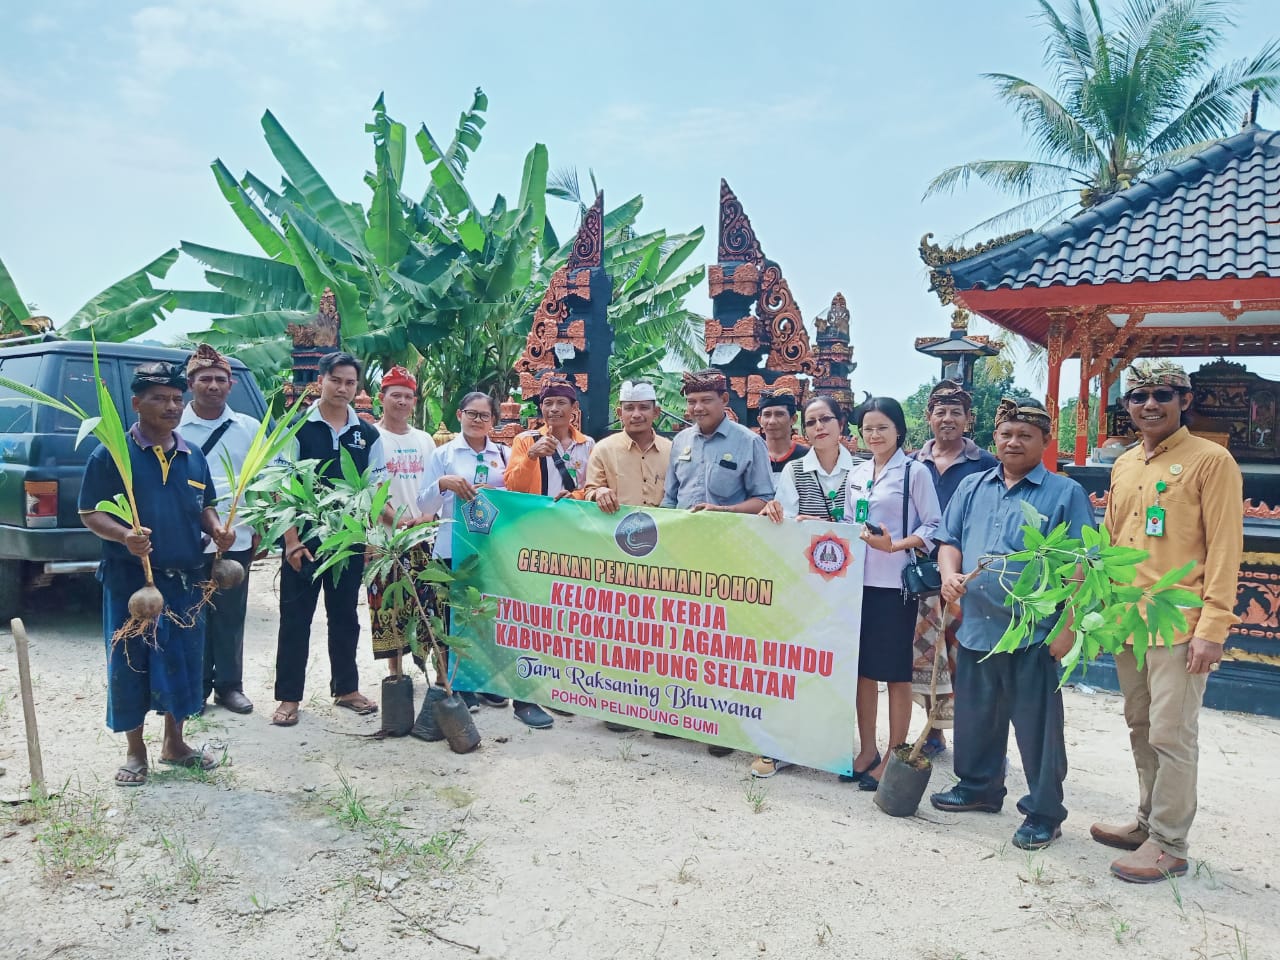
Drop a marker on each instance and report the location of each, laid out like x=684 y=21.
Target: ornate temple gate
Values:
x=755 y=318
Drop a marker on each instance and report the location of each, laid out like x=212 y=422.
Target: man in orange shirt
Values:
x=552 y=460
x=1178 y=497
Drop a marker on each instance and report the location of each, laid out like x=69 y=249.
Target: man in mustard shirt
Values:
x=1178 y=497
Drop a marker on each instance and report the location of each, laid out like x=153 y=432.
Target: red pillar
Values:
x=1104 y=385
x=1054 y=350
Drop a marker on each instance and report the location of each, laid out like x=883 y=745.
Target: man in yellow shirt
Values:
x=1178 y=497
x=630 y=467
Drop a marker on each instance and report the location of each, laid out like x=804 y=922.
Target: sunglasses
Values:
x=823 y=421
x=1162 y=395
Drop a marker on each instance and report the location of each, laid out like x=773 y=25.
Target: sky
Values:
x=827 y=119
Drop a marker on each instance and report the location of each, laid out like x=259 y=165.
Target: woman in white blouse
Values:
x=462 y=466
x=878 y=496
x=811 y=488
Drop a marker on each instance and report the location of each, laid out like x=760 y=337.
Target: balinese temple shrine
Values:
x=1185 y=264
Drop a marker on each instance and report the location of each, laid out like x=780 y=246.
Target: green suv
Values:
x=40 y=465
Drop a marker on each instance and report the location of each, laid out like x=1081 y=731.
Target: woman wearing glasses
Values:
x=876 y=492
x=459 y=468
x=811 y=488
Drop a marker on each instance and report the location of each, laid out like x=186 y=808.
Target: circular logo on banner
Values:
x=828 y=556
x=636 y=535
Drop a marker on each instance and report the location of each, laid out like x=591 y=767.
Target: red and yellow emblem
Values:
x=829 y=556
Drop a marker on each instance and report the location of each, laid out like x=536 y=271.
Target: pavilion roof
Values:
x=1213 y=216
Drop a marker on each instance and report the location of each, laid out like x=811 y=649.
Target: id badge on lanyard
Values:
x=1155 y=513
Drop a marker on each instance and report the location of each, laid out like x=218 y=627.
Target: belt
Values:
x=186 y=576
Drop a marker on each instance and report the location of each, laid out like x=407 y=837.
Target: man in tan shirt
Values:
x=630 y=467
x=1178 y=497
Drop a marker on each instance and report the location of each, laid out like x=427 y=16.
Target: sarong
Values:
x=164 y=673
x=928 y=631
x=389 y=622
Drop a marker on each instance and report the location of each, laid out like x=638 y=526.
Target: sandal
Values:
x=196 y=760
x=131 y=774
x=285 y=716
x=358 y=703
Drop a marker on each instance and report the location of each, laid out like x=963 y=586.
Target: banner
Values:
x=717 y=627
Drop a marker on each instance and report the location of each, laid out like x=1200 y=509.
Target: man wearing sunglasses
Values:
x=1178 y=497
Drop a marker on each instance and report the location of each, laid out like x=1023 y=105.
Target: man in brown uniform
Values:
x=1178 y=497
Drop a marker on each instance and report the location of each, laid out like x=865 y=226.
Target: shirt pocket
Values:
x=723 y=481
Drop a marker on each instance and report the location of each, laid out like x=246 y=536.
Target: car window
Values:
x=241 y=398
x=17 y=413
x=76 y=385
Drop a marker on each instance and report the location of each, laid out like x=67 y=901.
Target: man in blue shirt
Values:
x=984 y=519
x=174 y=493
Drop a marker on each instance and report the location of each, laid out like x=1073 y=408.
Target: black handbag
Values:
x=920 y=577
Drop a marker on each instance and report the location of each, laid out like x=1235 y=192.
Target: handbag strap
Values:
x=913 y=556
x=212 y=440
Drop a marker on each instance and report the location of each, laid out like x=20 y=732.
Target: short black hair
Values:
x=890 y=407
x=831 y=403
x=478 y=395
x=338 y=358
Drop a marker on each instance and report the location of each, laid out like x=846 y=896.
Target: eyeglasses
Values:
x=820 y=421
x=477 y=416
x=1162 y=395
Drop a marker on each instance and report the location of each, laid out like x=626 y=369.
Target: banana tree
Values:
x=431 y=283
x=123 y=310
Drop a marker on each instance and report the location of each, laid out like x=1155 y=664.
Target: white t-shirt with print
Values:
x=407 y=457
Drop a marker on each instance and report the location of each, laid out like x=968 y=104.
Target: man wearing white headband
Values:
x=630 y=467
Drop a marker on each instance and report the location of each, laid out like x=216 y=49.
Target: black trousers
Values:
x=224 y=631
x=1021 y=688
x=298 y=597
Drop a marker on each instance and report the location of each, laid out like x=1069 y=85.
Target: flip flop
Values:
x=362 y=707
x=203 y=760
x=131 y=770
x=285 y=718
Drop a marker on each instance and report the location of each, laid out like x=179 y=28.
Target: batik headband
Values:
x=1023 y=410
x=1155 y=373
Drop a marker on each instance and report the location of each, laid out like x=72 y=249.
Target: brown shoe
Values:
x=1128 y=836
x=1148 y=864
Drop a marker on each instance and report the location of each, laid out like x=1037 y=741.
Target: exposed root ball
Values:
x=228 y=574
x=146 y=604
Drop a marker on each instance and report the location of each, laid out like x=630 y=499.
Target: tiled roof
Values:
x=1212 y=216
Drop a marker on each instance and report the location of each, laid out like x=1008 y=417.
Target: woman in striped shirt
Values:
x=811 y=488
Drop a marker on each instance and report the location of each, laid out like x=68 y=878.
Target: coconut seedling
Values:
x=267 y=444
x=146 y=605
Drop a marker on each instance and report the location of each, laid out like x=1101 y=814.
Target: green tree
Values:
x=992 y=380
x=1067 y=424
x=432 y=283
x=1130 y=98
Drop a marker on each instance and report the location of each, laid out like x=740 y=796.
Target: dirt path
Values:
x=319 y=840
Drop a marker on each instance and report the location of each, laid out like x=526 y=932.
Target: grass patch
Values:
x=74 y=836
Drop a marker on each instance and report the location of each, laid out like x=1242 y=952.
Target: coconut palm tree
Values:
x=1130 y=98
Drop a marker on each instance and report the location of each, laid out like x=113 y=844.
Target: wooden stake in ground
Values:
x=28 y=706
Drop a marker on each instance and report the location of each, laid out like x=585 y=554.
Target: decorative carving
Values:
x=738 y=241
x=1099 y=500
x=323 y=330
x=788 y=340
x=588 y=245
x=742 y=279
x=960 y=319
x=1260 y=510
x=938 y=259
x=834 y=324
x=539 y=345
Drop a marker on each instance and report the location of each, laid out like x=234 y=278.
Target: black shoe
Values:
x=532 y=715
x=1035 y=834
x=957 y=801
x=717 y=751
x=857 y=775
x=470 y=699
x=868 y=783
x=234 y=700
x=491 y=699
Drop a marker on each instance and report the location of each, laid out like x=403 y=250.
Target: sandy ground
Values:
x=575 y=842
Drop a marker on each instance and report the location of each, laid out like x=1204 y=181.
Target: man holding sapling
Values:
x=984 y=519
x=162 y=667
x=1178 y=497
x=223 y=435
x=332 y=426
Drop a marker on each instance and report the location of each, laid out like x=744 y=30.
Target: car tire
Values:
x=11 y=584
